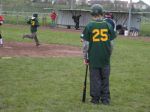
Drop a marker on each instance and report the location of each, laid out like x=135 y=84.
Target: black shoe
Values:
x=37 y=44
x=105 y=102
x=95 y=101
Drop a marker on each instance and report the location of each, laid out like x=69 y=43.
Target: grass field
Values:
x=145 y=29
x=55 y=84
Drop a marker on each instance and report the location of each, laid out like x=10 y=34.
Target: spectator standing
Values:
x=34 y=24
x=53 y=17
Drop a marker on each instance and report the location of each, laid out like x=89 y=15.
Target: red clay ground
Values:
x=21 y=49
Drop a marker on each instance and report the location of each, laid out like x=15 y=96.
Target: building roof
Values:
x=142 y=3
x=84 y=10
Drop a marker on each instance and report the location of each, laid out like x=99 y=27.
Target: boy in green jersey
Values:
x=34 y=25
x=97 y=37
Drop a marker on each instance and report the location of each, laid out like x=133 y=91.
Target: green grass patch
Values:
x=45 y=35
x=144 y=30
x=44 y=20
x=55 y=84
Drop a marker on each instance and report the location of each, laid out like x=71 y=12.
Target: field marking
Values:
x=6 y=57
x=8 y=47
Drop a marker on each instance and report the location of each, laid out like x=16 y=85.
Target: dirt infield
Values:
x=22 y=49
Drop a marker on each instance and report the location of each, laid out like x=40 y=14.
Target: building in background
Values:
x=140 y=5
x=121 y=5
x=81 y=2
x=102 y=2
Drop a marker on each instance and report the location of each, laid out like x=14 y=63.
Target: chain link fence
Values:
x=22 y=17
x=19 y=11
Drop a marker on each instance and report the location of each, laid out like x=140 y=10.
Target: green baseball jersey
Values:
x=99 y=34
x=34 y=24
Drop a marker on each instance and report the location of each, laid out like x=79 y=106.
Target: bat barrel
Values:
x=84 y=89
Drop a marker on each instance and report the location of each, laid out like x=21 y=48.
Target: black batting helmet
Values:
x=35 y=15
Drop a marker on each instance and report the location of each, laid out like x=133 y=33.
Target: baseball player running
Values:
x=34 y=25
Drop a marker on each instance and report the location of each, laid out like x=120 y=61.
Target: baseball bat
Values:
x=84 y=87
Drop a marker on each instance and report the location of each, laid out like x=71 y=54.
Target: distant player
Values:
x=34 y=26
x=1 y=22
x=108 y=17
x=76 y=19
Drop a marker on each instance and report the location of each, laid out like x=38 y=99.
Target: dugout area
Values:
x=121 y=18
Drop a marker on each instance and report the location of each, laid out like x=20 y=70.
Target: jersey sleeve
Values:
x=37 y=23
x=85 y=34
x=29 y=21
x=112 y=33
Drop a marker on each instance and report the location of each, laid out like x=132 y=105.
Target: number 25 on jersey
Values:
x=100 y=32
